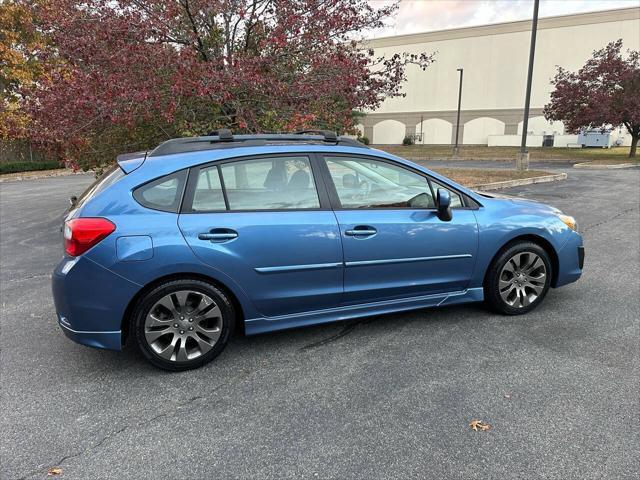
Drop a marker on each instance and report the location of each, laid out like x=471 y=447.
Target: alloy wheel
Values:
x=183 y=325
x=522 y=279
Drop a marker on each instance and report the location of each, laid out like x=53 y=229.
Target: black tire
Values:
x=226 y=322
x=493 y=297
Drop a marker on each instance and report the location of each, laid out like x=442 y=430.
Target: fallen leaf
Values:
x=54 y=471
x=479 y=425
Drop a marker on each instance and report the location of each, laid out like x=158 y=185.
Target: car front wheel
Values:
x=518 y=279
x=183 y=324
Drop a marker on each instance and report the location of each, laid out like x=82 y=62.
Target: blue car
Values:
x=175 y=247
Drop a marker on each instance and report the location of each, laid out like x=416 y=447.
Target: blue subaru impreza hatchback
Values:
x=174 y=247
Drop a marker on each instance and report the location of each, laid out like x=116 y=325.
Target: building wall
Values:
x=389 y=132
x=435 y=131
x=495 y=60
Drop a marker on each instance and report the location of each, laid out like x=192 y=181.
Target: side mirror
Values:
x=444 y=205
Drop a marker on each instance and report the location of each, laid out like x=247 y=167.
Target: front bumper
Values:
x=90 y=302
x=581 y=257
x=570 y=261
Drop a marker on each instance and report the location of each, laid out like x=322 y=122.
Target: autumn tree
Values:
x=19 y=66
x=124 y=74
x=604 y=93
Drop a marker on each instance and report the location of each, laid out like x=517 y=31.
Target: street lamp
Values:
x=455 y=148
x=522 y=162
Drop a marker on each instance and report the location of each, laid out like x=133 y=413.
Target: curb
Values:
x=520 y=182
x=457 y=159
x=19 y=177
x=549 y=161
x=614 y=166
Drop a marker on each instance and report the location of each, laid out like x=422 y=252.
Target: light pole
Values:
x=455 y=147
x=522 y=161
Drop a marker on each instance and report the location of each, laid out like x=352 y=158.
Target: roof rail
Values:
x=223 y=134
x=328 y=135
x=223 y=138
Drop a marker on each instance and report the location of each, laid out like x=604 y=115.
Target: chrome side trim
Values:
x=406 y=260
x=295 y=268
x=86 y=331
x=319 y=266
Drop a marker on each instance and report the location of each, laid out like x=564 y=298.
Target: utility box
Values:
x=595 y=138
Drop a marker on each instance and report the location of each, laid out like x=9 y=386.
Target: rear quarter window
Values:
x=164 y=193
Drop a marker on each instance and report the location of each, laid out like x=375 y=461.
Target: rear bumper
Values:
x=108 y=340
x=570 y=261
x=90 y=302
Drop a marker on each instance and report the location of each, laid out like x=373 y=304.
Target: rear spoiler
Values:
x=128 y=162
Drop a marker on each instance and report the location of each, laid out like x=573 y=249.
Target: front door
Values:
x=394 y=244
x=262 y=223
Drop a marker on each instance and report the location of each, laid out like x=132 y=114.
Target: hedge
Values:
x=15 y=167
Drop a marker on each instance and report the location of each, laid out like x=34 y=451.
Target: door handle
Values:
x=218 y=235
x=361 y=231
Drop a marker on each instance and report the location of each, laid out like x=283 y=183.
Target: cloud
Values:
x=425 y=15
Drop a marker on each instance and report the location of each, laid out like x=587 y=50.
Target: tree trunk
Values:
x=634 y=145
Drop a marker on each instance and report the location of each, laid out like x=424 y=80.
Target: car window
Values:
x=208 y=195
x=163 y=194
x=270 y=184
x=456 y=199
x=366 y=183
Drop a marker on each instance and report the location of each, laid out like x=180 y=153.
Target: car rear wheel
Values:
x=183 y=324
x=518 y=279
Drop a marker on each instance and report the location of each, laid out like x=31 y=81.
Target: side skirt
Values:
x=281 y=322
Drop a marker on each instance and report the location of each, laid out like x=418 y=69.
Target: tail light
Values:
x=80 y=234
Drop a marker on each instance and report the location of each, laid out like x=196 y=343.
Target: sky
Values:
x=426 y=15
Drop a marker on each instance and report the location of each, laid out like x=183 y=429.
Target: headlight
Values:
x=569 y=221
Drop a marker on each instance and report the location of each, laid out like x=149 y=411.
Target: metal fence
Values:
x=12 y=151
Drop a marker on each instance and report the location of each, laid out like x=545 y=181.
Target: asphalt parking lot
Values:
x=384 y=397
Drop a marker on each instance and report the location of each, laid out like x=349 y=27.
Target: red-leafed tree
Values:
x=605 y=92
x=122 y=74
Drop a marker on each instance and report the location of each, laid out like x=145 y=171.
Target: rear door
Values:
x=264 y=222
x=394 y=244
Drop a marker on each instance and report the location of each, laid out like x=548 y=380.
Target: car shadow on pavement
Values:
x=243 y=349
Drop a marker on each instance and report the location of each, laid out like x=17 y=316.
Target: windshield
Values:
x=108 y=178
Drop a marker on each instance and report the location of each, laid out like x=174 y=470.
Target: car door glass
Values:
x=270 y=184
x=365 y=183
x=456 y=199
x=208 y=195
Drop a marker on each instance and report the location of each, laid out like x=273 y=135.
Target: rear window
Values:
x=278 y=183
x=164 y=193
x=208 y=195
x=108 y=178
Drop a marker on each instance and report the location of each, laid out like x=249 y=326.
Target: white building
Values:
x=495 y=60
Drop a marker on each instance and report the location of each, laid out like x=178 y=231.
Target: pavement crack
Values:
x=105 y=439
x=31 y=277
x=346 y=330
x=610 y=219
